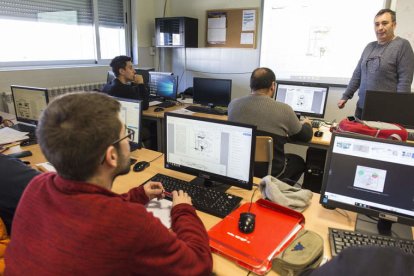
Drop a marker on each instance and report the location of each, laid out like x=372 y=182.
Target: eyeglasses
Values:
x=130 y=135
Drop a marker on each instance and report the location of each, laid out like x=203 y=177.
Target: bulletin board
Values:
x=232 y=28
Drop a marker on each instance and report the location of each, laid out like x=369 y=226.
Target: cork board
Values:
x=232 y=28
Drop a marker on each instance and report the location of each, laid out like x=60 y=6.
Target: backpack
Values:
x=373 y=128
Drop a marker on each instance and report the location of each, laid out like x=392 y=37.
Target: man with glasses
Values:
x=71 y=223
x=385 y=65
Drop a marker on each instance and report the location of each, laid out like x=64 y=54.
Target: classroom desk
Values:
x=149 y=114
x=317 y=218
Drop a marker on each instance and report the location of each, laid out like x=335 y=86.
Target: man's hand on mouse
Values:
x=154 y=190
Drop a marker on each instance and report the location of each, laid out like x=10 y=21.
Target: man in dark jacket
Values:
x=127 y=84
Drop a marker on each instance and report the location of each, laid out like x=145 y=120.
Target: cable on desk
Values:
x=156 y=157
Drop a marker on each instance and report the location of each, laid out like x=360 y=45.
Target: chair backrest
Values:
x=264 y=151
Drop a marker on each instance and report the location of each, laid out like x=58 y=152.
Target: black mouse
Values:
x=318 y=133
x=140 y=166
x=158 y=109
x=247 y=222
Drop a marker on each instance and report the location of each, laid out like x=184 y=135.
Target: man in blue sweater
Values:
x=385 y=65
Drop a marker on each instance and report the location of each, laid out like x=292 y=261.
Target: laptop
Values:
x=29 y=103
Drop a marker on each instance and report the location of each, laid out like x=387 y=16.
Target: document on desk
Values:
x=162 y=210
x=152 y=103
x=9 y=135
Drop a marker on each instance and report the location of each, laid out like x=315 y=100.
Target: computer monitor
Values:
x=213 y=150
x=29 y=103
x=212 y=92
x=306 y=99
x=372 y=177
x=163 y=84
x=131 y=115
x=389 y=107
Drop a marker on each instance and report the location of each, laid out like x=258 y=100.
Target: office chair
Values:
x=264 y=153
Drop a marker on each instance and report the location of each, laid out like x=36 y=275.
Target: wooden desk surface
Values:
x=317 y=218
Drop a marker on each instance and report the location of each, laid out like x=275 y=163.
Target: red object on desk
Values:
x=276 y=226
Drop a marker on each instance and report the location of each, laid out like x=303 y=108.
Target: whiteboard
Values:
x=316 y=40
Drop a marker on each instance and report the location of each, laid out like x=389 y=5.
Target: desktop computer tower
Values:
x=315 y=163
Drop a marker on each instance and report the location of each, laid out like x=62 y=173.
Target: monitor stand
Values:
x=383 y=227
x=217 y=186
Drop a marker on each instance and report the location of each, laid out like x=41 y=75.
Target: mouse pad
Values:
x=276 y=226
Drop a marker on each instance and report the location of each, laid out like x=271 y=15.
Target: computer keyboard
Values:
x=166 y=104
x=213 y=202
x=316 y=123
x=340 y=239
x=207 y=110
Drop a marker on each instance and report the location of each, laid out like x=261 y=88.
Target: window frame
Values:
x=87 y=62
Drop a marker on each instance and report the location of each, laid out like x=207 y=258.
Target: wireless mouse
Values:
x=158 y=109
x=247 y=222
x=140 y=166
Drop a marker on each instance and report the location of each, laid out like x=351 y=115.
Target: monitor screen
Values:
x=214 y=150
x=372 y=177
x=212 y=92
x=306 y=99
x=389 y=107
x=164 y=85
x=29 y=103
x=131 y=115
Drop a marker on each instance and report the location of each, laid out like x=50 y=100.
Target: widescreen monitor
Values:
x=131 y=116
x=305 y=98
x=212 y=92
x=163 y=84
x=213 y=150
x=29 y=103
x=372 y=177
x=389 y=107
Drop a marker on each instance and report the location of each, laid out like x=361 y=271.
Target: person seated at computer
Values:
x=71 y=223
x=15 y=176
x=127 y=83
x=275 y=119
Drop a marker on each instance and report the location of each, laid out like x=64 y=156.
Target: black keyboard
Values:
x=316 y=123
x=207 y=110
x=213 y=202
x=24 y=128
x=166 y=104
x=340 y=239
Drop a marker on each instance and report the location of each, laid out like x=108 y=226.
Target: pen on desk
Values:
x=168 y=194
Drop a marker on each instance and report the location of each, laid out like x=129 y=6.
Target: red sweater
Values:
x=63 y=227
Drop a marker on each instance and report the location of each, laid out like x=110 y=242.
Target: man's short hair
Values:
x=393 y=14
x=118 y=63
x=75 y=130
x=262 y=78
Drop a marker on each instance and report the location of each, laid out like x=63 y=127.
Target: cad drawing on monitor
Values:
x=213 y=150
x=305 y=98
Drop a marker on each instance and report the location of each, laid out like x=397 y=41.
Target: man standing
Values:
x=71 y=223
x=275 y=119
x=127 y=84
x=385 y=65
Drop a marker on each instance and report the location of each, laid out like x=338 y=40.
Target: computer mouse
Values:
x=247 y=222
x=140 y=166
x=158 y=109
x=318 y=133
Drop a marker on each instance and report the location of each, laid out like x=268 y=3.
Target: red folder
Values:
x=276 y=226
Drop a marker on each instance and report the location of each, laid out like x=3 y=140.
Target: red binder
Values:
x=276 y=227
